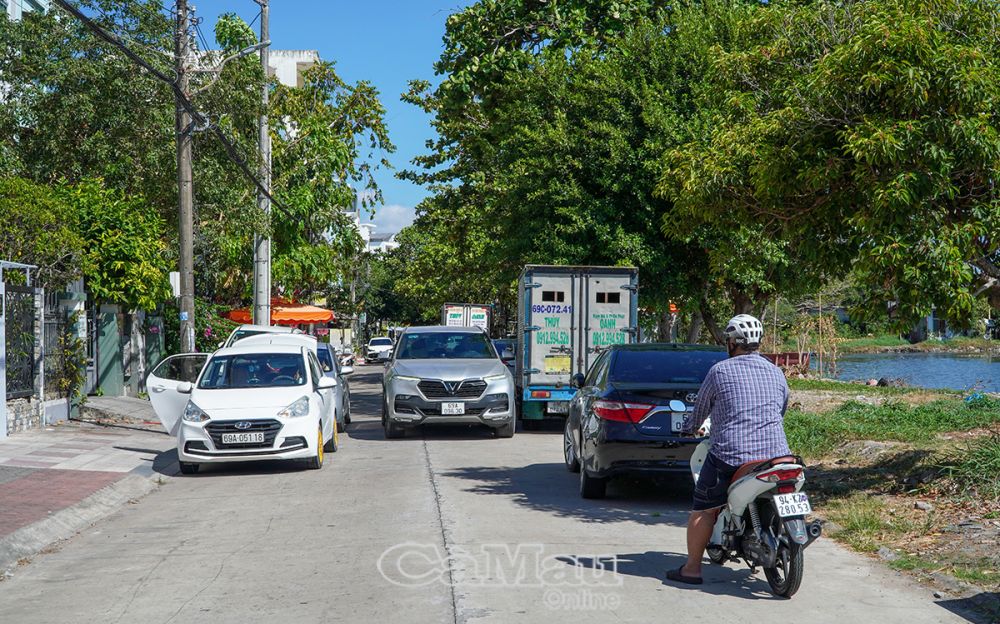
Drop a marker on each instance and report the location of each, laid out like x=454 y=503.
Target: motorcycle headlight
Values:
x=296 y=409
x=193 y=413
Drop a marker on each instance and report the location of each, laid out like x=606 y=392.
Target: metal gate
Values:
x=19 y=331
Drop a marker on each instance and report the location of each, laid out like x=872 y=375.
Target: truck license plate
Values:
x=795 y=504
x=452 y=408
x=243 y=438
x=558 y=407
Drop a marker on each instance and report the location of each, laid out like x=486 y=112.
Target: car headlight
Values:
x=296 y=409
x=495 y=377
x=193 y=413
x=406 y=378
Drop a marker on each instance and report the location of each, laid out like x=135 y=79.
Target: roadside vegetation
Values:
x=908 y=475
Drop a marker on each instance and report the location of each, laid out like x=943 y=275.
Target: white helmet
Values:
x=744 y=329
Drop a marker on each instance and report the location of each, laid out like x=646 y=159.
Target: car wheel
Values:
x=505 y=431
x=569 y=453
x=187 y=468
x=392 y=430
x=334 y=443
x=316 y=462
x=592 y=487
x=340 y=427
x=347 y=410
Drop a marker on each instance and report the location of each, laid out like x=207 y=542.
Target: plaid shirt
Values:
x=746 y=397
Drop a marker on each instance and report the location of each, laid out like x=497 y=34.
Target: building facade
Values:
x=16 y=8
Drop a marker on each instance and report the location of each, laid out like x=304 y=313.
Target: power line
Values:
x=198 y=119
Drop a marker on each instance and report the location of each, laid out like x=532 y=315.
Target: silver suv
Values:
x=447 y=375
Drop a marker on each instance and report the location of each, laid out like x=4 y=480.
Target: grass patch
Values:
x=863 y=523
x=848 y=387
x=911 y=563
x=979 y=467
x=815 y=435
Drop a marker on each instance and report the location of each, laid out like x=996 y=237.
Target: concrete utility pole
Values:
x=262 y=245
x=185 y=190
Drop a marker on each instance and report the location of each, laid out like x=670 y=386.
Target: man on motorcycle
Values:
x=746 y=397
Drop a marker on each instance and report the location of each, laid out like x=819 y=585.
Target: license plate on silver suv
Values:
x=243 y=438
x=794 y=504
x=449 y=409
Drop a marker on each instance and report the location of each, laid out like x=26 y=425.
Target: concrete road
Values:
x=449 y=526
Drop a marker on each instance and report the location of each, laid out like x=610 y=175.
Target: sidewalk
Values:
x=59 y=480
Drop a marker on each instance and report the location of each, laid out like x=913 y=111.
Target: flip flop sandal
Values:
x=678 y=577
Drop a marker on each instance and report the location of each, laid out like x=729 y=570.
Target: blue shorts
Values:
x=712 y=489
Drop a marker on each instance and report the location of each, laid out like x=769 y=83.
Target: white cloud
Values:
x=393 y=218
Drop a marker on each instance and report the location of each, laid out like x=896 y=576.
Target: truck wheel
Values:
x=505 y=431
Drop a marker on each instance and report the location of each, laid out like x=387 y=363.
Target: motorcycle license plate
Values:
x=794 y=504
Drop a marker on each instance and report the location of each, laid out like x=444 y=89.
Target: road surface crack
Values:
x=445 y=541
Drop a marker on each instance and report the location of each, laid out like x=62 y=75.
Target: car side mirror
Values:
x=185 y=387
x=677 y=405
x=507 y=355
x=346 y=370
x=579 y=380
x=325 y=383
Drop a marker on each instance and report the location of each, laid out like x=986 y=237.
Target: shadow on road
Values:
x=550 y=488
x=719 y=580
x=983 y=608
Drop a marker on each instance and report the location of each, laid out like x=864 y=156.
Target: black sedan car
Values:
x=625 y=417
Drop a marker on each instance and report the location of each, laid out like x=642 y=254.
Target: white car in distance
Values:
x=248 y=402
x=379 y=349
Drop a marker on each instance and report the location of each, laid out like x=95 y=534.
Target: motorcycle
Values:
x=763 y=522
x=346 y=358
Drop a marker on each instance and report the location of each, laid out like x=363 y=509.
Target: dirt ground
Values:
x=823 y=401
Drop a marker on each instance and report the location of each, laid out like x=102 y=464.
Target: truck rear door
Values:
x=605 y=315
x=551 y=330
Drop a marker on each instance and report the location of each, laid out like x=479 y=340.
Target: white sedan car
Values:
x=245 y=403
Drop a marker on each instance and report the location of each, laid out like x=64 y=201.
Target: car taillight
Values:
x=621 y=412
x=777 y=476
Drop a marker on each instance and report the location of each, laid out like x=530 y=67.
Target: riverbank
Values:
x=895 y=344
x=908 y=475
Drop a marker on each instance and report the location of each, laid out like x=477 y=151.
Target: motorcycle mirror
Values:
x=579 y=380
x=677 y=405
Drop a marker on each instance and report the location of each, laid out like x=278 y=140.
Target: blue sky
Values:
x=386 y=42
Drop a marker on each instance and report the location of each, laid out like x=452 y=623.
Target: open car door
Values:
x=162 y=385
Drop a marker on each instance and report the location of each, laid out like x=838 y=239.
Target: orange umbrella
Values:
x=284 y=312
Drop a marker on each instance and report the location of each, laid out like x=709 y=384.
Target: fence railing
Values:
x=19 y=306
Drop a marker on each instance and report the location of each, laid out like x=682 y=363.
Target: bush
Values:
x=817 y=434
x=978 y=469
x=210 y=328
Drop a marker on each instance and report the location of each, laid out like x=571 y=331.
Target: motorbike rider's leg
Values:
x=710 y=496
x=699 y=532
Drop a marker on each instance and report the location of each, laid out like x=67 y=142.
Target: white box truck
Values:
x=467 y=315
x=567 y=315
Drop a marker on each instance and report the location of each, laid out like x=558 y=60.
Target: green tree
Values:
x=124 y=259
x=38 y=229
x=864 y=136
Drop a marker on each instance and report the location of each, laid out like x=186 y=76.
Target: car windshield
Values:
x=240 y=334
x=445 y=345
x=381 y=342
x=667 y=366
x=254 y=370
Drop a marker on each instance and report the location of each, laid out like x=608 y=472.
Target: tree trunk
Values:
x=694 y=330
x=663 y=327
x=742 y=303
x=710 y=323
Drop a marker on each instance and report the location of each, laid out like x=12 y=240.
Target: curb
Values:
x=65 y=523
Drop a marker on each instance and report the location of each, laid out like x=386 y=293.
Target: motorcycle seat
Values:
x=756 y=466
